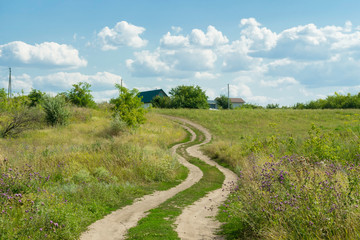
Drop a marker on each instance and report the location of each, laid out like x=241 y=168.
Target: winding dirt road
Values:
x=196 y=222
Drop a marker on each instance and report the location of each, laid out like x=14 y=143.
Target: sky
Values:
x=279 y=51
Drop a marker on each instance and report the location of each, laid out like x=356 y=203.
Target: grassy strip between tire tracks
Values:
x=159 y=224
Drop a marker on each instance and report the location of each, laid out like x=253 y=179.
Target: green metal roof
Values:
x=149 y=95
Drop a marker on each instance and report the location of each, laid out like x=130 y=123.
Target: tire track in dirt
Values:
x=115 y=225
x=198 y=220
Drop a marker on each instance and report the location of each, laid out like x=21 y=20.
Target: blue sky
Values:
x=268 y=51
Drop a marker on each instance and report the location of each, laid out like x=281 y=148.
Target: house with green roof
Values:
x=147 y=96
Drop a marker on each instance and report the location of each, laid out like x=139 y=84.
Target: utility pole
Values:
x=228 y=97
x=9 y=87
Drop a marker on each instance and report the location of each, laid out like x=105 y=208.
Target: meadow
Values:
x=55 y=181
x=298 y=171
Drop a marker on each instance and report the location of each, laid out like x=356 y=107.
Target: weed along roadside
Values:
x=159 y=223
x=116 y=225
x=298 y=171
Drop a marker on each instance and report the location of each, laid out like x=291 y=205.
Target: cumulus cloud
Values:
x=261 y=38
x=174 y=41
x=63 y=81
x=281 y=82
x=49 y=54
x=147 y=64
x=123 y=34
x=212 y=37
x=205 y=76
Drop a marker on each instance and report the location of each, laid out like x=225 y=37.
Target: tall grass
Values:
x=298 y=171
x=57 y=180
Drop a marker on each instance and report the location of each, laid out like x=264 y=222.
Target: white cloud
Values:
x=147 y=64
x=261 y=38
x=176 y=29
x=212 y=37
x=171 y=41
x=123 y=34
x=281 y=82
x=49 y=54
x=206 y=75
x=63 y=81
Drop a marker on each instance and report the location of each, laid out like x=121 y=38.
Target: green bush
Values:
x=56 y=110
x=80 y=95
x=128 y=107
x=35 y=97
x=188 y=97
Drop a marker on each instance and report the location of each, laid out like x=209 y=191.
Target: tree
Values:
x=35 y=97
x=128 y=107
x=80 y=95
x=188 y=97
x=222 y=101
x=161 y=102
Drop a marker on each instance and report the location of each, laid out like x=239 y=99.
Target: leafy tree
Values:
x=188 y=97
x=161 y=102
x=222 y=101
x=35 y=97
x=80 y=95
x=128 y=107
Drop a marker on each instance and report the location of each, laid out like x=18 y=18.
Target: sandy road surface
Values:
x=115 y=225
x=198 y=220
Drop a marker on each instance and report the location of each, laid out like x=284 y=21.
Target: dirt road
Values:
x=196 y=222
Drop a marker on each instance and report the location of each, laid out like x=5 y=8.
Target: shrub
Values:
x=222 y=101
x=188 y=97
x=80 y=95
x=35 y=97
x=19 y=121
x=55 y=110
x=128 y=107
x=117 y=126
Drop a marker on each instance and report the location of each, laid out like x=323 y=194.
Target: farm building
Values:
x=147 y=96
x=236 y=102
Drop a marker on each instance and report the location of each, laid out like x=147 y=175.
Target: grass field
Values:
x=298 y=171
x=57 y=180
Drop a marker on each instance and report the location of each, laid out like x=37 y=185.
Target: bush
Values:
x=35 y=97
x=56 y=110
x=19 y=121
x=80 y=95
x=117 y=126
x=188 y=97
x=222 y=101
x=128 y=107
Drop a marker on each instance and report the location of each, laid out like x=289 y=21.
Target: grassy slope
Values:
x=326 y=204
x=89 y=173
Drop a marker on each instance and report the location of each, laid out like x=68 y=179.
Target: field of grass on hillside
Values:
x=55 y=181
x=299 y=171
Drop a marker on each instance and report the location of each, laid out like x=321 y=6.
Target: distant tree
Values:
x=161 y=102
x=250 y=106
x=272 y=106
x=188 y=97
x=222 y=101
x=35 y=97
x=128 y=107
x=80 y=95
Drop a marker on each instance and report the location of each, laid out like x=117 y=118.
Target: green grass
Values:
x=298 y=171
x=159 y=223
x=71 y=176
